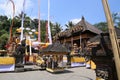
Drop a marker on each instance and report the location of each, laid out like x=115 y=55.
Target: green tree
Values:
x=69 y=25
x=3 y=39
x=4 y=30
x=55 y=28
x=5 y=24
x=116 y=19
x=102 y=26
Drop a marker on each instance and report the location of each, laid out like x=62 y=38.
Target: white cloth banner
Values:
x=77 y=64
x=4 y=68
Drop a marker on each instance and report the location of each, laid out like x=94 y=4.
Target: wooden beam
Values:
x=113 y=37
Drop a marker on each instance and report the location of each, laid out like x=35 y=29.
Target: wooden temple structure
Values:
x=54 y=57
x=76 y=39
x=102 y=55
x=95 y=44
x=79 y=34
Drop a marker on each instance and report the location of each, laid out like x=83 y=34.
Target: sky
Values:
x=61 y=11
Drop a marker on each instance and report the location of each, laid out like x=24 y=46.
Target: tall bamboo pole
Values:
x=39 y=32
x=113 y=37
x=22 y=22
x=49 y=31
x=11 y=27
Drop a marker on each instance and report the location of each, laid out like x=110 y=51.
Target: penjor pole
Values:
x=49 y=31
x=11 y=27
x=39 y=35
x=22 y=22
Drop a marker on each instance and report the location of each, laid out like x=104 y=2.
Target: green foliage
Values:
x=6 y=22
x=43 y=24
x=102 y=26
x=116 y=19
x=55 y=28
x=3 y=39
x=69 y=25
x=4 y=30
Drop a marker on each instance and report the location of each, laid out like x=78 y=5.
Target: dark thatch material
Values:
x=95 y=39
x=106 y=36
x=81 y=26
x=117 y=32
x=98 y=38
x=88 y=27
x=103 y=40
x=56 y=48
x=101 y=45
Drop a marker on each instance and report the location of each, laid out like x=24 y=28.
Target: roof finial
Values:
x=83 y=18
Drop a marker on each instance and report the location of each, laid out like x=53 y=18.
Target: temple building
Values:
x=84 y=35
x=79 y=34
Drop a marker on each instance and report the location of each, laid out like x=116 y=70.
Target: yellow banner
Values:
x=7 y=60
x=78 y=59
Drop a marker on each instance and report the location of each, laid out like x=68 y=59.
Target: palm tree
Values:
x=102 y=26
x=69 y=25
x=116 y=19
x=55 y=28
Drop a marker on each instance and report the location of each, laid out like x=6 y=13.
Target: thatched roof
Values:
x=105 y=35
x=97 y=39
x=101 y=45
x=81 y=26
x=88 y=27
x=56 y=48
x=117 y=32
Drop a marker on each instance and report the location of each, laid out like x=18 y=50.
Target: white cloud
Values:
x=36 y=16
x=7 y=8
x=75 y=21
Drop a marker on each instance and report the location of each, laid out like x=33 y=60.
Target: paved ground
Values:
x=79 y=73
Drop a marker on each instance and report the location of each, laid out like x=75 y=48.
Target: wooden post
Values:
x=113 y=37
x=80 y=39
x=72 y=41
